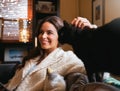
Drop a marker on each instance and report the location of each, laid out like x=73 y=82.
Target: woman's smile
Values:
x=48 y=36
x=45 y=42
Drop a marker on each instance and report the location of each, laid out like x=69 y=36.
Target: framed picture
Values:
x=98 y=12
x=10 y=30
x=14 y=54
x=1 y=27
x=44 y=6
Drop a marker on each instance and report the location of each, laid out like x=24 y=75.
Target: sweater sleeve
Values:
x=77 y=64
x=72 y=64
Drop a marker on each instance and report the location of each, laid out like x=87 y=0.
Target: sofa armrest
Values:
x=75 y=81
x=7 y=70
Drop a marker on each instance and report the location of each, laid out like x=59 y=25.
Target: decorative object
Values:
x=10 y=29
x=44 y=6
x=15 y=54
x=98 y=12
x=13 y=9
x=1 y=27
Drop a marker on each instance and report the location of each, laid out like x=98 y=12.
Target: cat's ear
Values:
x=65 y=32
x=67 y=26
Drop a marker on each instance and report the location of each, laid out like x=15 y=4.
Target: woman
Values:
x=31 y=76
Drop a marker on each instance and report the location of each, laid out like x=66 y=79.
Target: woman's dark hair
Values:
x=57 y=22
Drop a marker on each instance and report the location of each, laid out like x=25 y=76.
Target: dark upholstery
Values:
x=75 y=81
x=7 y=70
x=99 y=86
x=79 y=82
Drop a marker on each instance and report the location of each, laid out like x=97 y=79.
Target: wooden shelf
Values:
x=43 y=12
x=14 y=41
x=34 y=15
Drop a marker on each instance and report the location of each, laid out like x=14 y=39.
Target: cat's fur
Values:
x=98 y=48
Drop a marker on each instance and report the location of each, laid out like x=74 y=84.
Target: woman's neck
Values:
x=48 y=51
x=45 y=53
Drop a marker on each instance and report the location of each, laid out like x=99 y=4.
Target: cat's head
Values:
x=65 y=33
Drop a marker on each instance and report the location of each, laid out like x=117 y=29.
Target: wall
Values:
x=85 y=9
x=112 y=8
x=69 y=9
x=73 y=8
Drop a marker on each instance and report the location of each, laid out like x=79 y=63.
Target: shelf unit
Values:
x=35 y=15
x=39 y=14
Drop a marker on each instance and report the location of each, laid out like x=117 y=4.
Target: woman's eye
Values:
x=40 y=32
x=49 y=32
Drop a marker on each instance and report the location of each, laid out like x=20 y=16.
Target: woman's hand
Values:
x=82 y=23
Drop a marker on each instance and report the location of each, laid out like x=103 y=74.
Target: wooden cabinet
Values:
x=14 y=51
x=43 y=8
x=36 y=9
x=15 y=29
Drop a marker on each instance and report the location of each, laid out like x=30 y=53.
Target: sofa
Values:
x=79 y=82
x=7 y=70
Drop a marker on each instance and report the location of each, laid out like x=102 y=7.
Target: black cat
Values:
x=99 y=48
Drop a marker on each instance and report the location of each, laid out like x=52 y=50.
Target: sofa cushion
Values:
x=7 y=70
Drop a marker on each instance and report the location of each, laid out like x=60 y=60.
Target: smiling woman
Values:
x=48 y=37
x=48 y=54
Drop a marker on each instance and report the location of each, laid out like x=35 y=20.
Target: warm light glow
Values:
x=9 y=1
x=24 y=35
x=36 y=42
x=25 y=30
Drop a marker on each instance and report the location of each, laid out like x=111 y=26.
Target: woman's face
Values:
x=48 y=36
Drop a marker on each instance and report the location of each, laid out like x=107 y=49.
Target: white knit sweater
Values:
x=63 y=62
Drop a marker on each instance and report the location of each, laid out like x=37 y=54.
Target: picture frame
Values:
x=98 y=12
x=10 y=29
x=14 y=54
x=1 y=27
x=44 y=6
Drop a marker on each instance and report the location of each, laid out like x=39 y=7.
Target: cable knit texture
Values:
x=62 y=62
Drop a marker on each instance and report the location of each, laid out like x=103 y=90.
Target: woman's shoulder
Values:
x=67 y=47
x=69 y=52
x=71 y=55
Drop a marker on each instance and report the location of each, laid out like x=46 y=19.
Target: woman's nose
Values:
x=44 y=35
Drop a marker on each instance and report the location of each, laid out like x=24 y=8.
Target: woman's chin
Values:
x=44 y=47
